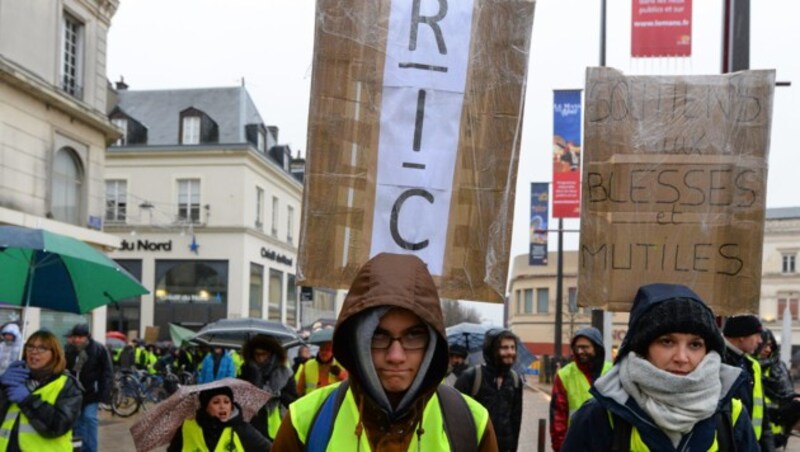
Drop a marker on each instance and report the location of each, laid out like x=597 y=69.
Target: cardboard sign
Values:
x=413 y=141
x=674 y=186
x=151 y=334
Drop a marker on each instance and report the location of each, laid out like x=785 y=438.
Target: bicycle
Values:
x=133 y=390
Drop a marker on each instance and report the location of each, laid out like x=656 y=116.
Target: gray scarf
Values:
x=675 y=402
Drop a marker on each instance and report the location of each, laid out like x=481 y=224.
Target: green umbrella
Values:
x=52 y=271
x=180 y=335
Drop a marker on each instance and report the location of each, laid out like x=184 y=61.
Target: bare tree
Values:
x=454 y=313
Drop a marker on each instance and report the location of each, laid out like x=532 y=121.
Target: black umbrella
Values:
x=233 y=333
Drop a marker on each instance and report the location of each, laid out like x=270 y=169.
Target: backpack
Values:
x=462 y=436
x=476 y=382
x=725 y=440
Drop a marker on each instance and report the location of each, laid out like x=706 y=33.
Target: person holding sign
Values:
x=668 y=389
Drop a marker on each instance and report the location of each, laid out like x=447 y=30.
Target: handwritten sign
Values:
x=674 y=186
x=414 y=122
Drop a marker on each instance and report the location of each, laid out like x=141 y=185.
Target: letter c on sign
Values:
x=396 y=213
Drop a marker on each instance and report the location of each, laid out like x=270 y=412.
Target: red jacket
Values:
x=559 y=409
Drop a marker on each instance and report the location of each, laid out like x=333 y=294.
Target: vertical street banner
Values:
x=413 y=139
x=567 y=154
x=674 y=186
x=540 y=201
x=661 y=29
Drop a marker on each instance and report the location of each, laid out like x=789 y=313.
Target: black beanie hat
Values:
x=459 y=350
x=676 y=315
x=741 y=325
x=208 y=394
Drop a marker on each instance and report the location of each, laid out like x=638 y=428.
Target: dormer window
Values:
x=196 y=127
x=122 y=123
x=262 y=141
x=134 y=132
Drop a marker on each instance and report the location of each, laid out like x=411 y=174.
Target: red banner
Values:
x=661 y=29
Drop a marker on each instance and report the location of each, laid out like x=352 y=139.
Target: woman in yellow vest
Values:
x=668 y=389
x=218 y=426
x=39 y=401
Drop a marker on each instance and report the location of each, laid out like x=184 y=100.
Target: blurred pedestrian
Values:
x=266 y=367
x=742 y=339
x=10 y=345
x=217 y=426
x=303 y=355
x=780 y=399
x=319 y=371
x=39 y=401
x=668 y=389
x=216 y=365
x=458 y=364
x=89 y=362
x=497 y=386
x=572 y=382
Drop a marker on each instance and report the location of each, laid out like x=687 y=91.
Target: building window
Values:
x=275 y=216
x=572 y=297
x=191 y=130
x=528 y=301
x=72 y=57
x=189 y=200
x=122 y=123
x=259 y=208
x=256 y=290
x=289 y=224
x=789 y=263
x=67 y=187
x=518 y=303
x=291 y=301
x=275 y=294
x=793 y=303
x=261 y=141
x=542 y=300
x=116 y=200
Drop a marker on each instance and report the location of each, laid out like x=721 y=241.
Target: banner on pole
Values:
x=540 y=200
x=567 y=154
x=674 y=186
x=414 y=139
x=661 y=29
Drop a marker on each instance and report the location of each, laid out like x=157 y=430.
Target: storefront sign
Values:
x=146 y=245
x=273 y=256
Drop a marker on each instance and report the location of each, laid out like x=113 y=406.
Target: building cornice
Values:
x=104 y=10
x=54 y=98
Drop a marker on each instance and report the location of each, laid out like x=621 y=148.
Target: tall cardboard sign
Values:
x=413 y=140
x=674 y=186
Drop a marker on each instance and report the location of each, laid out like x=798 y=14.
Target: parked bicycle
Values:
x=134 y=389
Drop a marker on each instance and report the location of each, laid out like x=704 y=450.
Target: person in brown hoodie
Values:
x=390 y=337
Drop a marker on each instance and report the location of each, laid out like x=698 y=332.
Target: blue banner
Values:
x=567 y=154
x=540 y=202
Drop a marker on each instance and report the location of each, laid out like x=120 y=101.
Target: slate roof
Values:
x=159 y=111
x=783 y=213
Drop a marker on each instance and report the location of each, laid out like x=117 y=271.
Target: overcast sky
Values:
x=161 y=44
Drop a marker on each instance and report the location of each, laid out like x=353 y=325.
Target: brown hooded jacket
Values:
x=388 y=281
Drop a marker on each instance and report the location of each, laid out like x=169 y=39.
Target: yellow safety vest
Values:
x=638 y=445
x=27 y=437
x=237 y=362
x=193 y=438
x=273 y=422
x=311 y=371
x=577 y=386
x=303 y=412
x=758 y=398
x=777 y=429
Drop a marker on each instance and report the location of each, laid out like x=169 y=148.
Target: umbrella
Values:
x=115 y=343
x=321 y=336
x=47 y=270
x=233 y=333
x=467 y=335
x=180 y=335
x=117 y=335
x=159 y=425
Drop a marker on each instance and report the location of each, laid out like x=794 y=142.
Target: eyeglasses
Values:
x=37 y=348
x=411 y=340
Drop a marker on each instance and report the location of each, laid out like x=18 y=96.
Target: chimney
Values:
x=121 y=85
x=297 y=167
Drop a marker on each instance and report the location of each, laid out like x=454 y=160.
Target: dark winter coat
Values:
x=504 y=403
x=213 y=428
x=96 y=375
x=48 y=420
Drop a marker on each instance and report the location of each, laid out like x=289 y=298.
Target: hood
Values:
x=387 y=281
x=596 y=337
x=649 y=297
x=768 y=336
x=12 y=328
x=491 y=342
